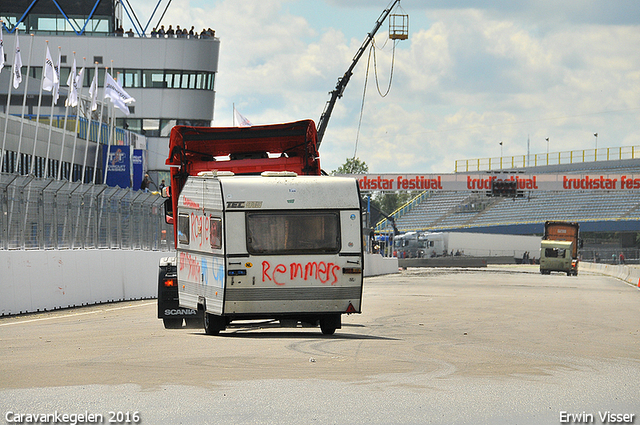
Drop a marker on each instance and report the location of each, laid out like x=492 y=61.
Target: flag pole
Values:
x=66 y=112
x=24 y=104
x=35 y=137
x=86 y=147
x=47 y=165
x=95 y=162
x=75 y=133
x=106 y=164
x=6 y=118
x=112 y=115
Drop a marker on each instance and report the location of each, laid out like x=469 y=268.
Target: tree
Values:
x=352 y=166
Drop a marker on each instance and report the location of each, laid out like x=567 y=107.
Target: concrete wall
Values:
x=376 y=264
x=33 y=281
x=630 y=274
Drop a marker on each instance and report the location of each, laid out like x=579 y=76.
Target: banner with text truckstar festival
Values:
x=482 y=182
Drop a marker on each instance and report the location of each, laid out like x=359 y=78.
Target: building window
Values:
x=153 y=79
x=151 y=127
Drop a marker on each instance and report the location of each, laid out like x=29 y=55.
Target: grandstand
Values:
x=469 y=211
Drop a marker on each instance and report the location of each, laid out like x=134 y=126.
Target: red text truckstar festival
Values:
x=453 y=182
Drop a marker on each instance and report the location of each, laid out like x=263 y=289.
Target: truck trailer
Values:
x=439 y=244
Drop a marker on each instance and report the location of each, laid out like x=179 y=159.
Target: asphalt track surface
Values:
x=502 y=345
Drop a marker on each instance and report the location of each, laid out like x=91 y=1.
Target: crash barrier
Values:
x=42 y=280
x=630 y=274
x=37 y=213
x=376 y=265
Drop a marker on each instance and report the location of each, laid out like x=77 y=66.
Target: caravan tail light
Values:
x=169 y=283
x=351 y=270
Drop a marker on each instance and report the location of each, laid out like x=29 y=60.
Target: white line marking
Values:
x=76 y=314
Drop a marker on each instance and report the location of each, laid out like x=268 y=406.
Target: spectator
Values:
x=161 y=31
x=192 y=33
x=120 y=31
x=130 y=32
x=621 y=258
x=204 y=34
x=146 y=182
x=162 y=185
x=154 y=33
x=170 y=32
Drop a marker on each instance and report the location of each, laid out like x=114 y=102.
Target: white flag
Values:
x=78 y=81
x=49 y=75
x=116 y=93
x=72 y=97
x=56 y=85
x=1 y=49
x=17 y=65
x=93 y=91
x=241 y=121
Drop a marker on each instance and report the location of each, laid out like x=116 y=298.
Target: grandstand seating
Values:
x=468 y=210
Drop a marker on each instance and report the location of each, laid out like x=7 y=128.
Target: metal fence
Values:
x=40 y=213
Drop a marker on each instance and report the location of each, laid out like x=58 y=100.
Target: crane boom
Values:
x=344 y=80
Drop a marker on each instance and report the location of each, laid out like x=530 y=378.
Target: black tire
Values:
x=329 y=324
x=213 y=324
x=172 y=323
x=327 y=330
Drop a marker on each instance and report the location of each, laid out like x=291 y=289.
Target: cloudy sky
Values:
x=470 y=76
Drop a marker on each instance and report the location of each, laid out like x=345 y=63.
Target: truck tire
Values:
x=213 y=324
x=172 y=323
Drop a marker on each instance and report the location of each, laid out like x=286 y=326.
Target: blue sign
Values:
x=138 y=167
x=118 y=167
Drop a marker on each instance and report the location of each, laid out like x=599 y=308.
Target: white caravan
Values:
x=275 y=246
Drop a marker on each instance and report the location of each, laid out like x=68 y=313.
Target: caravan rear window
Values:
x=554 y=253
x=303 y=232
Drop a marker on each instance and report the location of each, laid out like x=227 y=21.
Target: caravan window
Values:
x=554 y=253
x=215 y=233
x=183 y=228
x=303 y=232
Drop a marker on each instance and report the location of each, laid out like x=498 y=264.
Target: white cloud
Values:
x=466 y=79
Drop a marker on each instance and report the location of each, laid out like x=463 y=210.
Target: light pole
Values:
x=596 y=151
x=547 y=139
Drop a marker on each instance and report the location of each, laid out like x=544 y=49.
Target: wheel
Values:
x=172 y=323
x=329 y=324
x=327 y=330
x=213 y=324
